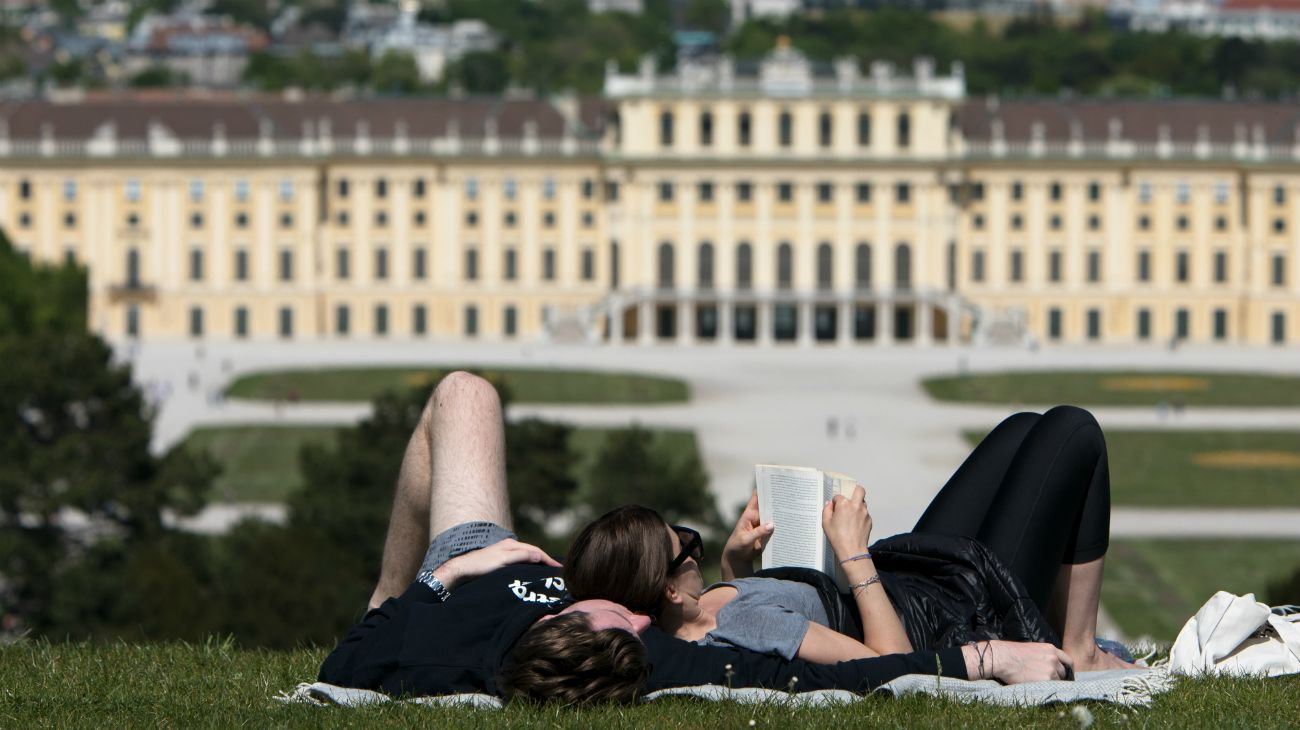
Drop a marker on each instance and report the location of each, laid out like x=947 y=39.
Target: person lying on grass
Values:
x=448 y=614
x=1029 y=507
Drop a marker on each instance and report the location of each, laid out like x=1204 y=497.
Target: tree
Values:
x=158 y=77
x=710 y=15
x=257 y=13
x=76 y=442
x=71 y=72
x=33 y=299
x=539 y=476
x=395 y=73
x=631 y=469
x=480 y=72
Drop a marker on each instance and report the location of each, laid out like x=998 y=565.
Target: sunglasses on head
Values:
x=692 y=547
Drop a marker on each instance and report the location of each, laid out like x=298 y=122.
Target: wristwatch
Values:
x=429 y=579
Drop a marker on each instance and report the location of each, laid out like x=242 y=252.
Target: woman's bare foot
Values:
x=1096 y=660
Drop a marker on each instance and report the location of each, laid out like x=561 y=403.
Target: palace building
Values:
x=772 y=203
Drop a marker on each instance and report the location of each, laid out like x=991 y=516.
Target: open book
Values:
x=792 y=498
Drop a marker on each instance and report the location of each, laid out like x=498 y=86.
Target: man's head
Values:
x=589 y=653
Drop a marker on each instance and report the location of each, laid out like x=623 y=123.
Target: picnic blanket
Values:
x=1122 y=686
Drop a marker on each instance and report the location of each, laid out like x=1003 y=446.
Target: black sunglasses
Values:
x=692 y=547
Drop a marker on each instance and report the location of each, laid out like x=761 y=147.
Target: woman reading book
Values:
x=1011 y=548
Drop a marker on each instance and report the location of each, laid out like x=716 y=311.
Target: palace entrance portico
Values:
x=913 y=316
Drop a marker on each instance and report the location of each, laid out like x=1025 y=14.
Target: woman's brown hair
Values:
x=622 y=557
x=562 y=660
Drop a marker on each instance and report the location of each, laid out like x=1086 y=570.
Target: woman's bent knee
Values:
x=1071 y=416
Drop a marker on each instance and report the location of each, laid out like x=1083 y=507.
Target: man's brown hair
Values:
x=563 y=660
x=622 y=557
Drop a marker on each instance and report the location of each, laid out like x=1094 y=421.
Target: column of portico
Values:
x=844 y=324
x=614 y=310
x=806 y=320
x=685 y=319
x=645 y=320
x=885 y=319
x=725 y=303
x=924 y=320
x=763 y=320
x=954 y=321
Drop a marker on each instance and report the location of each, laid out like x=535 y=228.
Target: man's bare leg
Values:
x=454 y=471
x=1072 y=611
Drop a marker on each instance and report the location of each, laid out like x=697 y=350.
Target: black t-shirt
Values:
x=415 y=645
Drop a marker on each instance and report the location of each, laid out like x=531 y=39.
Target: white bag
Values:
x=1237 y=635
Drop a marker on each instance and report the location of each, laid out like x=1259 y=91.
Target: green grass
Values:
x=1090 y=388
x=1153 y=586
x=261 y=462
x=1157 y=468
x=526 y=385
x=181 y=685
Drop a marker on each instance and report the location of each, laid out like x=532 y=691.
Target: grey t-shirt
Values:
x=767 y=615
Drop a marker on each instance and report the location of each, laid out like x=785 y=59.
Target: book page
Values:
x=791 y=498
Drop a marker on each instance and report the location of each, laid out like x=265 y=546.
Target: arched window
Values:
x=785 y=129
x=904 y=129
x=706 y=129
x=824 y=266
x=704 y=267
x=862 y=266
x=902 y=266
x=133 y=268
x=744 y=266
x=666 y=128
x=666 y=265
x=784 y=266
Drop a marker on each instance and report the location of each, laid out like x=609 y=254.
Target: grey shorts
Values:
x=462 y=538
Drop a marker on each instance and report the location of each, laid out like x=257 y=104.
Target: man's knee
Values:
x=463 y=387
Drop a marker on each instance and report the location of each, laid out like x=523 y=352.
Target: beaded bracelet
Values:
x=863 y=556
x=864 y=584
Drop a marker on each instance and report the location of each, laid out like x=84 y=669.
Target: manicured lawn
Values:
x=1118 y=388
x=1201 y=468
x=261 y=462
x=526 y=385
x=184 y=685
x=1152 y=587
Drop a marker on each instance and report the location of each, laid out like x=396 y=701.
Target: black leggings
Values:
x=1036 y=491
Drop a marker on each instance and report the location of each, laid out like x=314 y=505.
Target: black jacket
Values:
x=948 y=591
x=951 y=590
x=414 y=645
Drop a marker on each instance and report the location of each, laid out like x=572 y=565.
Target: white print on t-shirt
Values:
x=522 y=592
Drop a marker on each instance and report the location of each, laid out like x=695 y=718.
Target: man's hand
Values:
x=485 y=560
x=1014 y=662
x=847 y=522
x=745 y=543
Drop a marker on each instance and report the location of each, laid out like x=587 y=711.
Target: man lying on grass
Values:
x=451 y=622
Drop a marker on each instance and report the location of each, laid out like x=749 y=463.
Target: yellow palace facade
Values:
x=779 y=203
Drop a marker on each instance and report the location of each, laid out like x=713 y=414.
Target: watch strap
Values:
x=429 y=579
